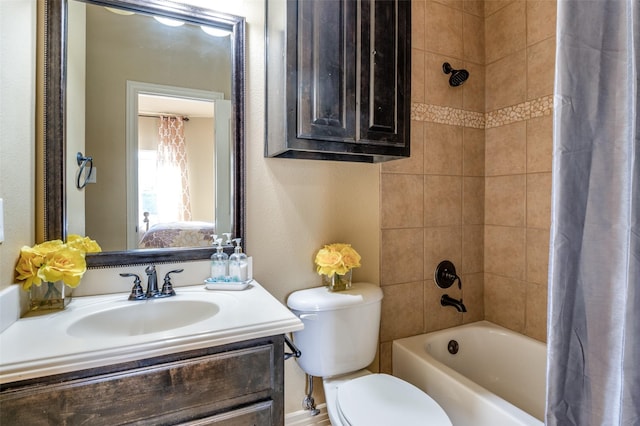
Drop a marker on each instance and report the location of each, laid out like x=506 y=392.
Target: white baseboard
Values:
x=304 y=418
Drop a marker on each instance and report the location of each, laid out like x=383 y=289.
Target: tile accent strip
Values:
x=458 y=117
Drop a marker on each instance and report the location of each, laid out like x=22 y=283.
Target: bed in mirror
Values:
x=152 y=92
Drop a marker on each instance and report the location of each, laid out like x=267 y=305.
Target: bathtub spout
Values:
x=447 y=300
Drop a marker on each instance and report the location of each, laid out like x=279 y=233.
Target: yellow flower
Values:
x=350 y=257
x=66 y=264
x=84 y=244
x=28 y=265
x=337 y=258
x=55 y=261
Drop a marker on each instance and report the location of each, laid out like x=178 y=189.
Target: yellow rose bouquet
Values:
x=335 y=262
x=54 y=260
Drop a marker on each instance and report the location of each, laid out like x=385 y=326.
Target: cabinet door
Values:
x=385 y=69
x=324 y=62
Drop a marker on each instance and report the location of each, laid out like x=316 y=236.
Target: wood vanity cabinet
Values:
x=338 y=79
x=238 y=384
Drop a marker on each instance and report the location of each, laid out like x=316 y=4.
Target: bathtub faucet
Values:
x=447 y=300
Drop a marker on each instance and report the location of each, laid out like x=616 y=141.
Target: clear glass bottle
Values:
x=219 y=263
x=238 y=264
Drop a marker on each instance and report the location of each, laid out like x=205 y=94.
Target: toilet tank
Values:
x=340 y=328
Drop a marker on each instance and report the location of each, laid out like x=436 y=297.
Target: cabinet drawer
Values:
x=257 y=414
x=162 y=393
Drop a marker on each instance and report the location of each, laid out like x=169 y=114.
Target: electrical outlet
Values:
x=1 y=221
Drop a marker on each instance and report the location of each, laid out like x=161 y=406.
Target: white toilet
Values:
x=339 y=340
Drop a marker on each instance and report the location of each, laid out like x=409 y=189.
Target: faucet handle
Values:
x=136 y=291
x=167 y=287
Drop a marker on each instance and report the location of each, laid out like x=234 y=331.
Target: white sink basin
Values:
x=143 y=317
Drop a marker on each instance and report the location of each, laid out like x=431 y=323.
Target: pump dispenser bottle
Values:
x=238 y=264
x=219 y=263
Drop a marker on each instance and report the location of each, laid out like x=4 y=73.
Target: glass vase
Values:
x=49 y=295
x=337 y=282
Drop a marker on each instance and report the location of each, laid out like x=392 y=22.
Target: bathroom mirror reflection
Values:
x=153 y=92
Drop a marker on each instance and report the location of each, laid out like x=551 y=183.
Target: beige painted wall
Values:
x=17 y=130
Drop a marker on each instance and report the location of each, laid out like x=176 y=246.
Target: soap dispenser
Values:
x=219 y=262
x=238 y=264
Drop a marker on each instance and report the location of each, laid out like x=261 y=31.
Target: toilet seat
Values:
x=381 y=399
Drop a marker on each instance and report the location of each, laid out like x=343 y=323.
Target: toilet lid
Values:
x=381 y=399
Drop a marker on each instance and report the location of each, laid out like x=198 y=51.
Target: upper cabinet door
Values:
x=338 y=85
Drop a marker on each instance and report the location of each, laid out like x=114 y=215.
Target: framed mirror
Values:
x=110 y=67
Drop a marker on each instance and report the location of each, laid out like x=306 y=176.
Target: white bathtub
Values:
x=497 y=377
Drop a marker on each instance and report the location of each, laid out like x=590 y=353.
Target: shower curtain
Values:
x=593 y=373
x=174 y=201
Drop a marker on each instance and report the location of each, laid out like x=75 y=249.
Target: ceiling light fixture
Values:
x=216 y=32
x=168 y=21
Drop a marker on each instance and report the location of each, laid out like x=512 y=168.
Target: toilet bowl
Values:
x=340 y=339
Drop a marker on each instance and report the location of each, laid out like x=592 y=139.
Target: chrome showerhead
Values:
x=457 y=76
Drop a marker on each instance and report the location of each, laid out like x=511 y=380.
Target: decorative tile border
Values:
x=477 y=120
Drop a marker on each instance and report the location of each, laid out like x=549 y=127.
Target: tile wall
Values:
x=476 y=189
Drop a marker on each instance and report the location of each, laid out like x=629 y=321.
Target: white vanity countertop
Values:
x=41 y=345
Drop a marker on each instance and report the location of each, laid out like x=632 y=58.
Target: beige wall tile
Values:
x=505 y=81
x=443 y=149
x=441 y=243
x=442 y=200
x=436 y=316
x=541 y=20
x=474 y=7
x=505 y=198
x=386 y=357
x=402 y=311
x=505 y=302
x=492 y=6
x=472 y=249
x=505 y=151
x=539 y=200
x=537 y=256
x=473 y=297
x=456 y=4
x=437 y=89
x=473 y=98
x=505 y=31
x=541 y=68
x=418 y=35
x=540 y=144
x=536 y=312
x=473 y=200
x=443 y=29
x=417 y=75
x=401 y=256
x=504 y=251
x=415 y=163
x=403 y=202
x=473 y=152
x=473 y=38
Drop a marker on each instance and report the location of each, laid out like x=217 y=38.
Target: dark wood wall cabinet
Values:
x=238 y=384
x=338 y=80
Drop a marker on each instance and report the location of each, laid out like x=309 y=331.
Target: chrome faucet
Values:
x=447 y=300
x=152 y=282
x=152 y=285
